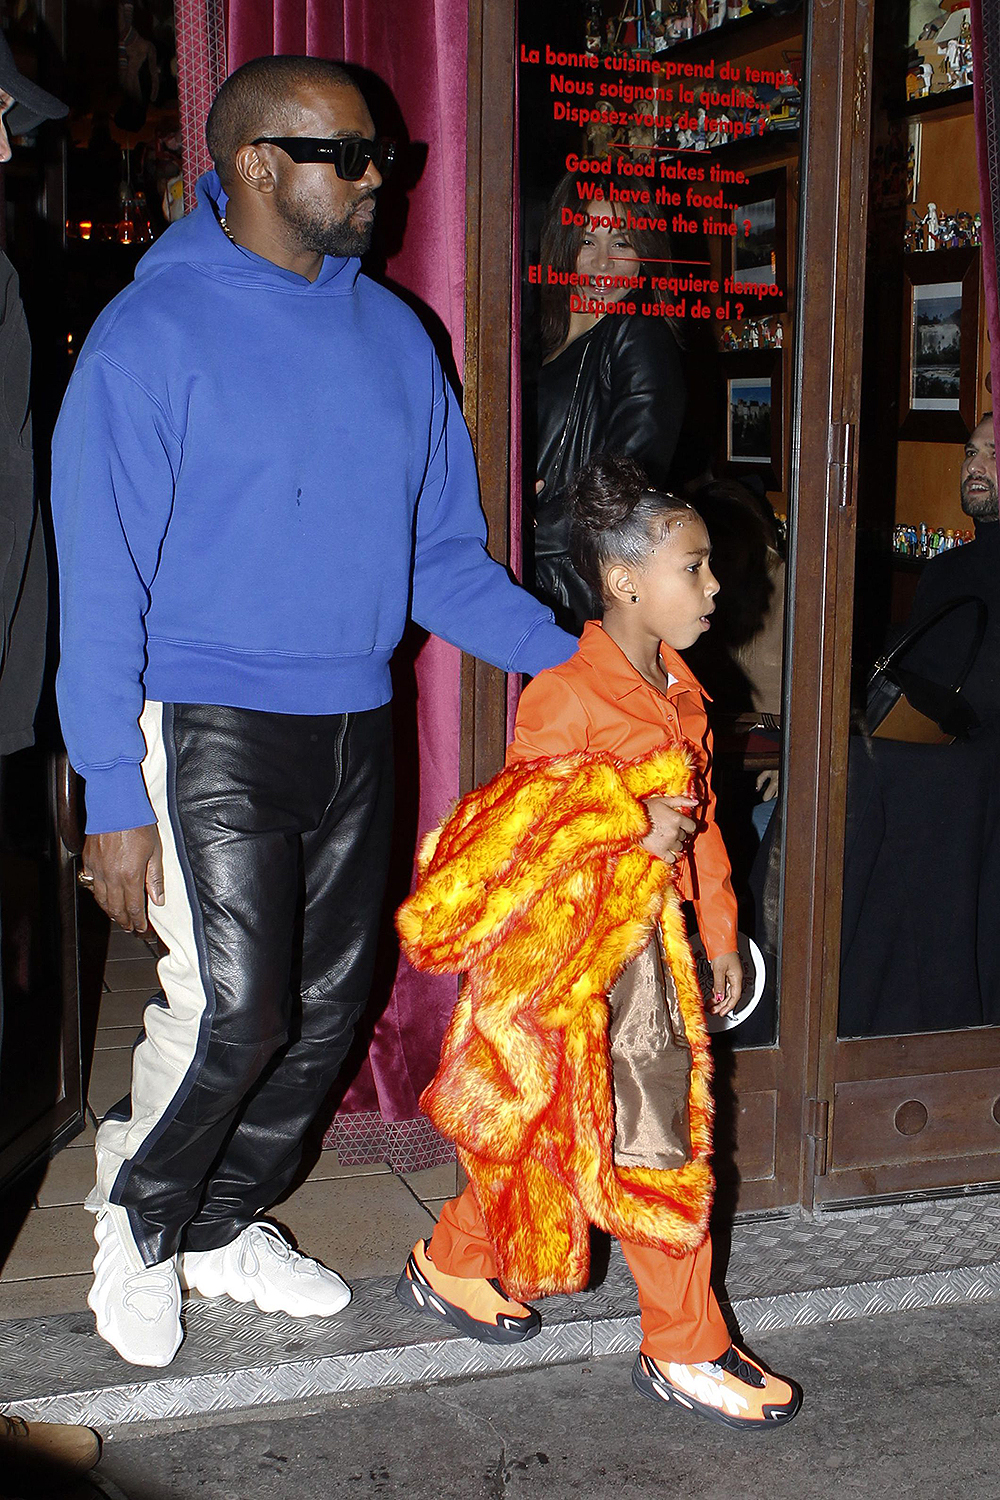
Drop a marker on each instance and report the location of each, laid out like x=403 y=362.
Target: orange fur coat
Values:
x=537 y=888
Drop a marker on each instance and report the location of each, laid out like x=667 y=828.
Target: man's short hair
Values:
x=259 y=99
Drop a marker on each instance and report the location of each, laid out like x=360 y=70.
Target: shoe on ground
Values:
x=734 y=1390
x=261 y=1266
x=472 y=1304
x=138 y=1311
x=47 y=1447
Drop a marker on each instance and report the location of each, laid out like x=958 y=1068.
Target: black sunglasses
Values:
x=349 y=154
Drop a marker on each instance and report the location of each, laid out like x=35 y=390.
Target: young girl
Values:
x=523 y=1095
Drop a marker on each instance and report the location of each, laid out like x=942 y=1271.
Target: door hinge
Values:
x=842 y=436
x=818 y=1132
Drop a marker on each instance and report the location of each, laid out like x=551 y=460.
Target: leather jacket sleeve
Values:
x=629 y=398
x=645 y=395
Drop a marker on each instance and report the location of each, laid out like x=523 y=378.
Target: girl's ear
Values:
x=619 y=585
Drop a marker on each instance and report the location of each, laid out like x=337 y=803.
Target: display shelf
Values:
x=773 y=146
x=738 y=38
x=950 y=104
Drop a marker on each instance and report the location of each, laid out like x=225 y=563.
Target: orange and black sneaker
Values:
x=733 y=1389
x=472 y=1304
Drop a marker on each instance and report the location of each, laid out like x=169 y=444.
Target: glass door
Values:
x=909 y=1072
x=688 y=235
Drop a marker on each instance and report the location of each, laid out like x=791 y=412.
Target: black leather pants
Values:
x=276 y=835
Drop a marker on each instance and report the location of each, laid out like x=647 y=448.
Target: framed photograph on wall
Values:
x=758 y=248
x=940 y=364
x=754 y=428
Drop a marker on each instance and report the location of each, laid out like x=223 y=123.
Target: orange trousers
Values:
x=681 y=1319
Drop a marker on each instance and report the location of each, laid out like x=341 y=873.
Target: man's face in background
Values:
x=979 y=474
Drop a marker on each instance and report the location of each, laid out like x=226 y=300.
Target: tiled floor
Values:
x=362 y=1220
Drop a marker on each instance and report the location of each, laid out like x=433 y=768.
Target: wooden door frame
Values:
x=833 y=222
x=818 y=645
x=861 y=1082
x=490 y=177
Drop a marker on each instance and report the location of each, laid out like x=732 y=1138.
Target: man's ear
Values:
x=619 y=584
x=254 y=170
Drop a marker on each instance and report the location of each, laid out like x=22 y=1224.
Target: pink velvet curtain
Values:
x=415 y=54
x=986 y=94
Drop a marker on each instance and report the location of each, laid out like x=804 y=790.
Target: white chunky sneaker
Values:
x=261 y=1266
x=137 y=1307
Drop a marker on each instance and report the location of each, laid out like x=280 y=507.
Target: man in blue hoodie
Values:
x=259 y=471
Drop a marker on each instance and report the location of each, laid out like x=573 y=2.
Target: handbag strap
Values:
x=914 y=632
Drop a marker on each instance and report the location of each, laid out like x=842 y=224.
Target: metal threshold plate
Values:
x=781 y=1273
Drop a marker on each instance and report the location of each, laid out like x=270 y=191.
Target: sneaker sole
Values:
x=211 y=1287
x=666 y=1396
x=160 y=1363
x=426 y=1300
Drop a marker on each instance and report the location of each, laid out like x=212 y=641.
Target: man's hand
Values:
x=126 y=868
x=727 y=983
x=671 y=826
x=767 y=785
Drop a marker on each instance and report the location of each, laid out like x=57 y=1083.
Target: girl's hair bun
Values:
x=613 y=515
x=604 y=494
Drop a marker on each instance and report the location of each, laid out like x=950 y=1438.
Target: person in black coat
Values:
x=920 y=947
x=973 y=569
x=608 y=381
x=23 y=581
x=37 y=1456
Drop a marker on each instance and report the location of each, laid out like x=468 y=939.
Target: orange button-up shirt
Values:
x=597 y=701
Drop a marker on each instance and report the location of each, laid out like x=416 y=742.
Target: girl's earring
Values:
x=635 y=598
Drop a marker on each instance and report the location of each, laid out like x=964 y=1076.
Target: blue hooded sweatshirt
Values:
x=255 y=479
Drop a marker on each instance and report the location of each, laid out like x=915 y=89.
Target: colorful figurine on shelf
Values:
x=659 y=40
x=920 y=542
x=957 y=63
x=932 y=227
x=919 y=80
x=720 y=135
x=954 y=43
x=755 y=333
x=940 y=231
x=677 y=15
x=913 y=232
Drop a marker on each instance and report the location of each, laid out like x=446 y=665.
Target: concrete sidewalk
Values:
x=902 y=1405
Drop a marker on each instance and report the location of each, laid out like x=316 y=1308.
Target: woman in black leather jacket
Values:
x=609 y=381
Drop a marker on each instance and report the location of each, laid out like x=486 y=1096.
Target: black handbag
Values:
x=903 y=704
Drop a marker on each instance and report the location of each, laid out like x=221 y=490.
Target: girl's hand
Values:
x=727 y=983
x=671 y=826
